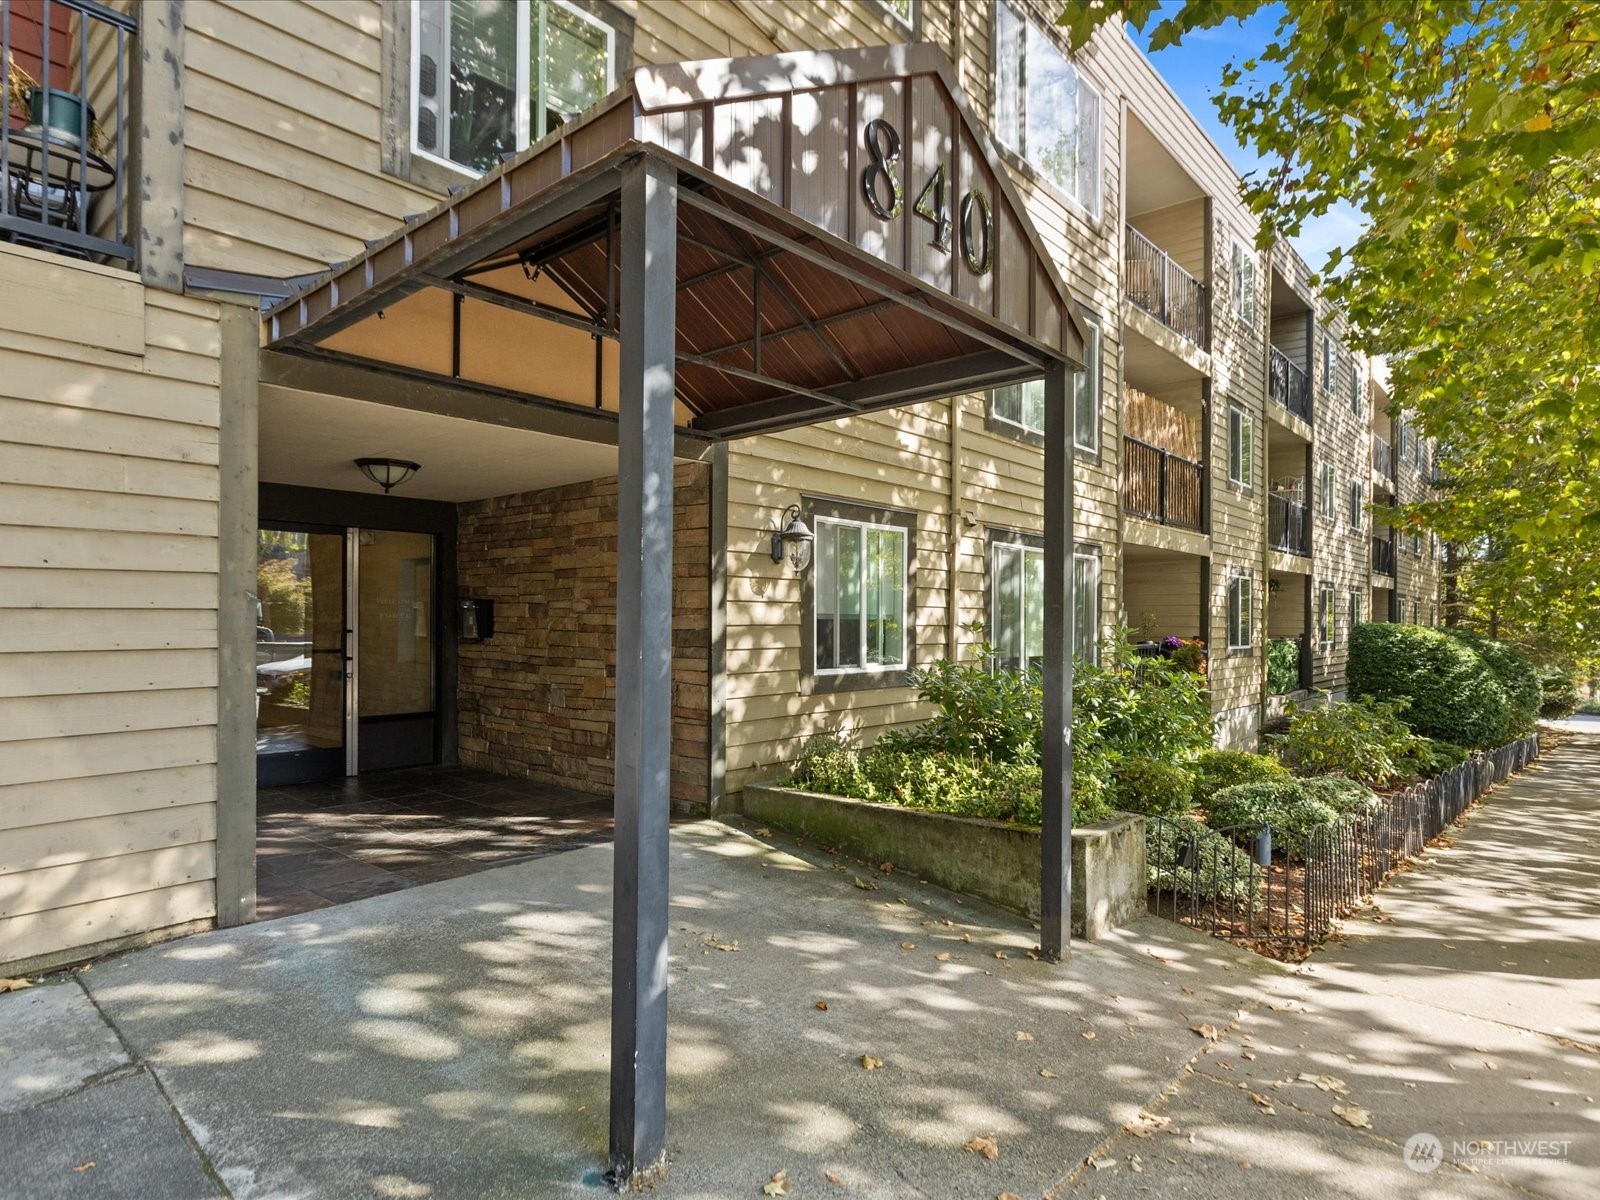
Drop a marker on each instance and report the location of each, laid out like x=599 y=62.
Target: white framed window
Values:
x=1241 y=447
x=1242 y=281
x=1016 y=602
x=859 y=600
x=1400 y=608
x=1416 y=612
x=1355 y=608
x=1329 y=504
x=1330 y=356
x=1019 y=407
x=901 y=12
x=1358 y=503
x=1358 y=390
x=1327 y=630
x=491 y=77
x=1241 y=598
x=1044 y=109
x=1086 y=392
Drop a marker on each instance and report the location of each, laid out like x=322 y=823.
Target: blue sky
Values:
x=1194 y=69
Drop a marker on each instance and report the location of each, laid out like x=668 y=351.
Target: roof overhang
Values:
x=818 y=274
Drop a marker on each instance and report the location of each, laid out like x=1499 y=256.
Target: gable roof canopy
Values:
x=846 y=241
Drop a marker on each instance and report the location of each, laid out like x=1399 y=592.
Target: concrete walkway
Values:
x=1465 y=1004
x=449 y=1042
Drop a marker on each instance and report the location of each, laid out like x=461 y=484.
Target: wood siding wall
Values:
x=109 y=412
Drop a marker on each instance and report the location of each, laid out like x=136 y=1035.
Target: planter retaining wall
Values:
x=987 y=859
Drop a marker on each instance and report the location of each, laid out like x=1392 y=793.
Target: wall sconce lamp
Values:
x=794 y=542
x=387 y=473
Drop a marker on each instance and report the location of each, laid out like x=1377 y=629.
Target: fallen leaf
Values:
x=832 y=1177
x=1187 y=991
x=942 y=956
x=13 y=985
x=1087 y=1035
x=999 y=953
x=763 y=833
x=1024 y=1037
x=1356 y=1118
x=1100 y=1164
x=84 y=1167
x=1326 y=1083
x=988 y=1147
x=1263 y=1104
x=870 y=1063
x=886 y=867
x=778 y=1186
x=1209 y=1032
x=1244 y=1166
x=908 y=945
x=1008 y=1196
x=1046 y=1073
x=966 y=937
x=822 y=1006
x=866 y=885
x=1247 y=1054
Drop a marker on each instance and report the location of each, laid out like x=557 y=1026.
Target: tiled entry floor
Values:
x=327 y=843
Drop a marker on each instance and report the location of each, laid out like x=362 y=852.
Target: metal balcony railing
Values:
x=1382 y=457
x=1290 y=386
x=1161 y=486
x=1382 y=556
x=63 y=127
x=1288 y=528
x=1164 y=289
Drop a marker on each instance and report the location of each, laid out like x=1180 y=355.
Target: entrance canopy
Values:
x=716 y=250
x=846 y=240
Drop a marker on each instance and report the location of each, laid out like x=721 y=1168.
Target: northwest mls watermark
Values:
x=1426 y=1152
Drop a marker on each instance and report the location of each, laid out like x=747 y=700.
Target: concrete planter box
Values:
x=988 y=859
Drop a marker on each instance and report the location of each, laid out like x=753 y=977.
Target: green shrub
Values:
x=827 y=765
x=1589 y=706
x=1216 y=868
x=1286 y=804
x=1215 y=769
x=1451 y=692
x=1516 y=674
x=1345 y=796
x=1283 y=665
x=1558 y=687
x=1435 y=756
x=1362 y=740
x=984 y=713
x=1147 y=785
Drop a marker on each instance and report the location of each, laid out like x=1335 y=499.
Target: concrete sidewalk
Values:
x=450 y=1042
x=1465 y=1004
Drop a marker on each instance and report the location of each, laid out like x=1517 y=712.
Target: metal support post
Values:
x=1055 y=879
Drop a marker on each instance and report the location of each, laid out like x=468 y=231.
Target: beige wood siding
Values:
x=108 y=606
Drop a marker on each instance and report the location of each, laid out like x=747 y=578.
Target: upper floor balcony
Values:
x=1383 y=556
x=64 y=127
x=1165 y=290
x=1289 y=386
x=1161 y=486
x=1382 y=458
x=1288 y=524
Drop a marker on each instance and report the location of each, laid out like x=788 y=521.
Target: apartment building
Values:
x=204 y=591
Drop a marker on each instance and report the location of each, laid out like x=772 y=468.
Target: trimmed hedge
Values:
x=1216 y=867
x=1287 y=805
x=1146 y=785
x=1217 y=769
x=1517 y=675
x=1451 y=693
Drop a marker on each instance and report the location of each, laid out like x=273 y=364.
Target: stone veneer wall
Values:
x=538 y=699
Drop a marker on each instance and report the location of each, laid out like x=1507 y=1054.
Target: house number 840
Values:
x=885 y=196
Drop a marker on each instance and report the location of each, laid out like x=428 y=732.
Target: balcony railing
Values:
x=1382 y=457
x=63 y=127
x=1164 y=289
x=1288 y=528
x=1161 y=486
x=1290 y=387
x=1382 y=556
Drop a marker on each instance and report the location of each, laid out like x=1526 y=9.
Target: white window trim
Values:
x=909 y=24
x=1242 y=284
x=1247 y=452
x=523 y=53
x=1083 y=552
x=1237 y=575
x=1358 y=502
x=1328 y=616
x=1036 y=173
x=1328 y=500
x=1095 y=371
x=1355 y=607
x=905 y=602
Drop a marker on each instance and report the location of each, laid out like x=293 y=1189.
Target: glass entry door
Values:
x=301 y=655
x=345 y=653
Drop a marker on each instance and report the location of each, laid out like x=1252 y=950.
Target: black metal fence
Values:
x=1288 y=384
x=1281 y=889
x=1287 y=527
x=1383 y=555
x=1161 y=486
x=1164 y=289
x=64 y=127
